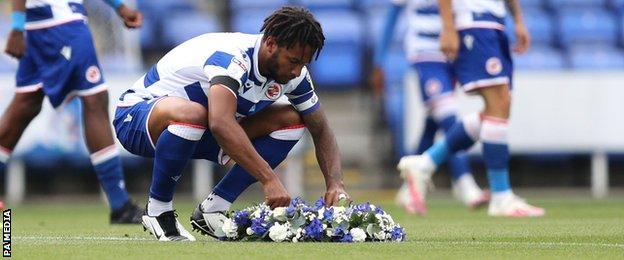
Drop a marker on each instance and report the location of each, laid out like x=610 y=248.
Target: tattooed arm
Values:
x=327 y=154
x=522 y=34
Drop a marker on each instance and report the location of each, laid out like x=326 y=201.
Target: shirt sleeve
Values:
x=227 y=69
x=303 y=97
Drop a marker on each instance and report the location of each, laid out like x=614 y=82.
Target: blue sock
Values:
x=273 y=150
x=426 y=139
x=458 y=163
x=107 y=165
x=496 y=154
x=174 y=148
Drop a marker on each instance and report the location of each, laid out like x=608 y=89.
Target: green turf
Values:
x=573 y=228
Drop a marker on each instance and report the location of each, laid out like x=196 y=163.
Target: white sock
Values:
x=156 y=207
x=501 y=197
x=215 y=203
x=427 y=164
x=467 y=188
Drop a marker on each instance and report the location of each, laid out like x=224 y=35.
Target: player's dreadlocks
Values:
x=291 y=25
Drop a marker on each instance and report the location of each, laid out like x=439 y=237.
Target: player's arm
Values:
x=523 y=39
x=327 y=154
x=233 y=140
x=377 y=77
x=449 y=39
x=131 y=18
x=16 y=44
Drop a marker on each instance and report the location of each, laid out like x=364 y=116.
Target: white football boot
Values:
x=514 y=206
x=166 y=227
x=416 y=171
x=466 y=190
x=208 y=223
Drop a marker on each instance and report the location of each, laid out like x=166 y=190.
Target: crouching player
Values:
x=214 y=97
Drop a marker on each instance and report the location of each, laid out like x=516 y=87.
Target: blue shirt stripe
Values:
x=196 y=94
x=151 y=77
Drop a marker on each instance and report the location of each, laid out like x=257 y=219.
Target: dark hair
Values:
x=291 y=25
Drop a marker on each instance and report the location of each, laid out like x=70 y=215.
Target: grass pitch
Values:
x=573 y=228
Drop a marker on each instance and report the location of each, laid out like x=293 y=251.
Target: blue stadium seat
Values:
x=540 y=25
x=250 y=20
x=251 y=4
x=540 y=57
x=182 y=26
x=341 y=63
x=596 y=57
x=376 y=18
x=321 y=4
x=616 y=5
x=532 y=4
x=587 y=25
x=395 y=66
x=148 y=33
x=558 y=4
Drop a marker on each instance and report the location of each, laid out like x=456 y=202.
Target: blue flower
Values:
x=328 y=215
x=363 y=207
x=314 y=230
x=319 y=203
x=242 y=218
x=347 y=238
x=290 y=211
x=339 y=231
x=397 y=234
x=296 y=202
x=379 y=210
x=258 y=226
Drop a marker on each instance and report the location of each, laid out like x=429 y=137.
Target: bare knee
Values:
x=189 y=113
x=497 y=102
x=96 y=104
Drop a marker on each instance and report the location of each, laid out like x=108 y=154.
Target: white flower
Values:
x=358 y=234
x=279 y=213
x=381 y=235
x=230 y=228
x=372 y=207
x=249 y=231
x=329 y=232
x=279 y=233
x=338 y=210
x=295 y=239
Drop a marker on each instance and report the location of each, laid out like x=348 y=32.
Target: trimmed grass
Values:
x=573 y=228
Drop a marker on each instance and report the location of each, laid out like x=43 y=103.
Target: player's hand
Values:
x=131 y=18
x=523 y=39
x=377 y=80
x=16 y=44
x=449 y=43
x=275 y=194
x=333 y=194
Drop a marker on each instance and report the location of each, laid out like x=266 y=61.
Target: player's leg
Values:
x=174 y=126
x=106 y=160
x=274 y=131
x=23 y=108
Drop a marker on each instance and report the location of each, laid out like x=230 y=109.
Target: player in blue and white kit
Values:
x=57 y=59
x=436 y=82
x=228 y=97
x=473 y=38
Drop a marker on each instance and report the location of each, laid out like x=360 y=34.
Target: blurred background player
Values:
x=57 y=59
x=222 y=96
x=436 y=82
x=473 y=38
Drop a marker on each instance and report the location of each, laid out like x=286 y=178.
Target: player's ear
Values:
x=271 y=44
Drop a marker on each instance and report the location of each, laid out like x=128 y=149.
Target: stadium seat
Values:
x=596 y=57
x=375 y=19
x=249 y=20
x=395 y=66
x=558 y=4
x=587 y=25
x=255 y=4
x=532 y=4
x=341 y=63
x=540 y=57
x=183 y=26
x=540 y=25
x=323 y=4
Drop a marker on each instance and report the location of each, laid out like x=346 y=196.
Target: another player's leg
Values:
x=274 y=132
x=176 y=126
x=493 y=134
x=105 y=159
x=25 y=106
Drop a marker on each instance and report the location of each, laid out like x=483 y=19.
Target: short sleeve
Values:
x=226 y=69
x=302 y=96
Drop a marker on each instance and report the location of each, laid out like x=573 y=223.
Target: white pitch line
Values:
x=505 y=243
x=83 y=238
